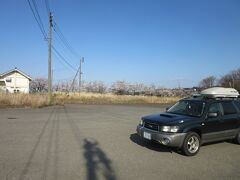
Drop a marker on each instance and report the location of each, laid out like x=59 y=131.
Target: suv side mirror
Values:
x=167 y=108
x=213 y=114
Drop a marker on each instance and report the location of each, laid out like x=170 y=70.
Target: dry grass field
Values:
x=41 y=100
x=23 y=100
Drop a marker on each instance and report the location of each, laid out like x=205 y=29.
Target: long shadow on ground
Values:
x=36 y=146
x=98 y=164
x=97 y=161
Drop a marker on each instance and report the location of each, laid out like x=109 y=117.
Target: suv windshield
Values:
x=189 y=108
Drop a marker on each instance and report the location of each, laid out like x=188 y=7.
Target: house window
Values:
x=2 y=83
x=9 y=80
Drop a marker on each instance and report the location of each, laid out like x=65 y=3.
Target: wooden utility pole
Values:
x=50 y=58
x=73 y=82
x=80 y=74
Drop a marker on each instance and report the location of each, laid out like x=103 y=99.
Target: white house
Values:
x=15 y=81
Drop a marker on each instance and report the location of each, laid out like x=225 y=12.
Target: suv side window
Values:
x=229 y=108
x=237 y=103
x=215 y=108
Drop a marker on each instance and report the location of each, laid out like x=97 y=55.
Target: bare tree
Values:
x=231 y=79
x=96 y=87
x=101 y=87
x=208 y=82
x=63 y=86
x=39 y=85
x=152 y=89
x=236 y=79
x=120 y=87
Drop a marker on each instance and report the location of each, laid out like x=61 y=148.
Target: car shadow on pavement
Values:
x=151 y=144
x=97 y=162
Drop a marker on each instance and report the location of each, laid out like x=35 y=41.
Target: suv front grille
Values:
x=151 y=126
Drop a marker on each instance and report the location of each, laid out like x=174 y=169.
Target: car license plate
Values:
x=147 y=135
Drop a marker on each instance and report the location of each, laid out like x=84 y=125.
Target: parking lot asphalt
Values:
x=99 y=142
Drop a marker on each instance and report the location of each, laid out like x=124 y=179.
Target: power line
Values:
x=59 y=44
x=59 y=54
x=61 y=61
x=37 y=12
x=47 y=6
x=64 y=40
x=37 y=18
x=59 y=32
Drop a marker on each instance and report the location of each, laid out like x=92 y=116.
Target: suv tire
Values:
x=237 y=139
x=191 y=144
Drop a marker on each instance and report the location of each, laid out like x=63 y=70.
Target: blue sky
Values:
x=165 y=42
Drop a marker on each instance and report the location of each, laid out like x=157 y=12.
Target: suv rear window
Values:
x=237 y=104
x=228 y=108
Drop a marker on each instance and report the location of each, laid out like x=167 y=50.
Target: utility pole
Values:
x=179 y=84
x=52 y=79
x=50 y=58
x=73 y=82
x=80 y=74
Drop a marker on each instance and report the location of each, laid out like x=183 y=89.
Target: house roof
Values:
x=15 y=70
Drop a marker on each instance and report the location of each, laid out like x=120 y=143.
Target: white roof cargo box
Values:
x=220 y=92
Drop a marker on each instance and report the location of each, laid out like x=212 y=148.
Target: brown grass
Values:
x=23 y=100
x=41 y=100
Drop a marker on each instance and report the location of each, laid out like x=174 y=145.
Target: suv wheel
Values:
x=191 y=144
x=237 y=139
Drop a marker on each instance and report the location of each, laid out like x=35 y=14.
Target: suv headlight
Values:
x=141 y=123
x=169 y=129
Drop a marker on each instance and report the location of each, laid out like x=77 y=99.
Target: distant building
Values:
x=15 y=81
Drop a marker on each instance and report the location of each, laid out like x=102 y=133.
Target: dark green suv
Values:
x=194 y=121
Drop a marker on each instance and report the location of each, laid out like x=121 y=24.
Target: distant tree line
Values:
x=231 y=79
x=40 y=85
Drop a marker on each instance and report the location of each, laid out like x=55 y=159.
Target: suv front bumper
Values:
x=167 y=139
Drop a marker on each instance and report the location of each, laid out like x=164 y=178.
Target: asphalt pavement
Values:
x=91 y=142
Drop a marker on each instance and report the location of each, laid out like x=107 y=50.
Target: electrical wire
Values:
x=61 y=61
x=59 y=54
x=47 y=6
x=63 y=39
x=37 y=12
x=37 y=18
x=59 y=32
